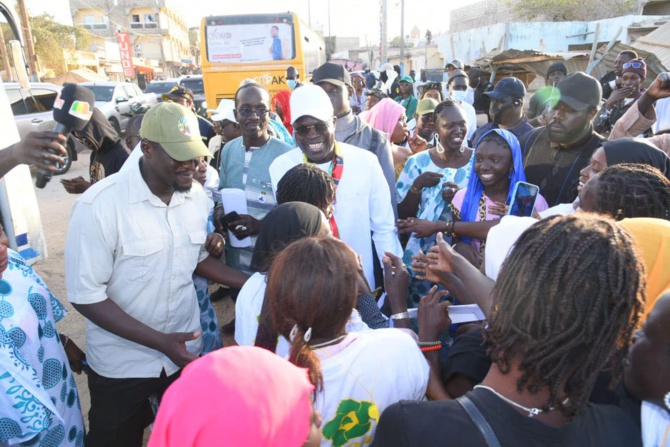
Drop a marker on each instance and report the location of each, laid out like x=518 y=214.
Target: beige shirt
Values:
x=125 y=244
x=633 y=123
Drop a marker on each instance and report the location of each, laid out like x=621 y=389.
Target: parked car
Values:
x=160 y=87
x=118 y=99
x=194 y=82
x=33 y=111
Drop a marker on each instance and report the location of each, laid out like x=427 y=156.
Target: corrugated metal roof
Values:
x=516 y=62
x=658 y=43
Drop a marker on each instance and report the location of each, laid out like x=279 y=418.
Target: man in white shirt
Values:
x=134 y=241
x=363 y=200
x=458 y=90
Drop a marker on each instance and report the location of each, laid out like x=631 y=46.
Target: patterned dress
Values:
x=432 y=208
x=39 y=403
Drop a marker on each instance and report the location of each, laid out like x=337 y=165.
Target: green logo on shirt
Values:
x=353 y=420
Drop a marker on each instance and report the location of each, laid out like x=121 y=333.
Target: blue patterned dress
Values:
x=431 y=208
x=39 y=403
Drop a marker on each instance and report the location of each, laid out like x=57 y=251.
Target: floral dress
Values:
x=39 y=403
x=432 y=207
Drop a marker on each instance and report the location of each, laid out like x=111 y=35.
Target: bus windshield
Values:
x=250 y=38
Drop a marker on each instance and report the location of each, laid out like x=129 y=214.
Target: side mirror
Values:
x=121 y=99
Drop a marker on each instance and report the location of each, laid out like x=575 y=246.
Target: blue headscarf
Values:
x=475 y=187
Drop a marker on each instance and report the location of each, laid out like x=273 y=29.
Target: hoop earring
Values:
x=294 y=333
x=438 y=147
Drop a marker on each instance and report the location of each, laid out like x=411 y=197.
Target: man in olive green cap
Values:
x=134 y=242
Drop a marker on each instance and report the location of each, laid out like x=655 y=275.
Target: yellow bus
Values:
x=256 y=46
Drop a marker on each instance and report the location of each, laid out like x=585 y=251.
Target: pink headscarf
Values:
x=240 y=395
x=384 y=115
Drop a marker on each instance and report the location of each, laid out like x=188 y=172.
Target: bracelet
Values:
x=449 y=228
x=431 y=348
x=429 y=343
x=400 y=316
x=415 y=190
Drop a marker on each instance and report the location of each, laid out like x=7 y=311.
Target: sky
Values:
x=347 y=17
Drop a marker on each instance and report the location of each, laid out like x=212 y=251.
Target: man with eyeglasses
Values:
x=351 y=129
x=423 y=123
x=108 y=152
x=245 y=165
x=362 y=198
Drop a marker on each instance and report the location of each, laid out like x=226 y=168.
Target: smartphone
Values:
x=523 y=199
x=228 y=218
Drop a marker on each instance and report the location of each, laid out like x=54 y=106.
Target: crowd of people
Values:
x=385 y=292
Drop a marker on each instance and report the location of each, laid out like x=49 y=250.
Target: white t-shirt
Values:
x=248 y=309
x=363 y=375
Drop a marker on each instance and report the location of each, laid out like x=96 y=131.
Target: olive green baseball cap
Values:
x=176 y=129
x=426 y=105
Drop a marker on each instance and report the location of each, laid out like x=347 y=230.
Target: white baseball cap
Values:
x=311 y=100
x=225 y=111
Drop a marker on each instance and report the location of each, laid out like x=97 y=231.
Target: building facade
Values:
x=158 y=34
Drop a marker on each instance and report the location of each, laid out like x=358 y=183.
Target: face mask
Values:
x=459 y=95
x=291 y=83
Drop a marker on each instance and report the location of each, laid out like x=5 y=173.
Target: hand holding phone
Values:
x=523 y=199
x=226 y=220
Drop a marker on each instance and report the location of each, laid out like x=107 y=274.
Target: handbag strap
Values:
x=479 y=420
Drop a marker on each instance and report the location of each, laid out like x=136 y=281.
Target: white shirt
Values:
x=363 y=203
x=248 y=309
x=470 y=119
x=125 y=244
x=655 y=426
x=364 y=374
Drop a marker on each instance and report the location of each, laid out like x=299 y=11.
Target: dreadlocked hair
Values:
x=631 y=190
x=312 y=284
x=307 y=183
x=566 y=304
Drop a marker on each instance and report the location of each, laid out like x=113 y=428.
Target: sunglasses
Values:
x=634 y=64
x=305 y=130
x=248 y=111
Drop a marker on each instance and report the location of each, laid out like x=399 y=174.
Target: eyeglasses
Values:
x=427 y=117
x=305 y=130
x=633 y=64
x=247 y=111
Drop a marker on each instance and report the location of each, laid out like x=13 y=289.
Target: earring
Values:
x=438 y=147
x=294 y=333
x=666 y=400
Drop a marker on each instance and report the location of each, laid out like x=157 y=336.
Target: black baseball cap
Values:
x=333 y=73
x=579 y=91
x=557 y=66
x=508 y=87
x=178 y=91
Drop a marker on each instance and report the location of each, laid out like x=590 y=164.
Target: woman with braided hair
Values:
x=565 y=305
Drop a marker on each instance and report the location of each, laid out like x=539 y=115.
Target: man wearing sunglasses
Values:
x=633 y=75
x=245 y=165
x=362 y=198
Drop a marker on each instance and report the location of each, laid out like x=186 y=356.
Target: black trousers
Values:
x=120 y=409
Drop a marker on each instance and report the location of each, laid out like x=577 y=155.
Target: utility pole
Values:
x=28 y=40
x=309 y=13
x=383 y=44
x=402 y=36
x=5 y=59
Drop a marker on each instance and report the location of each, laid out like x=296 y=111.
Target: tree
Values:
x=194 y=42
x=51 y=38
x=568 y=10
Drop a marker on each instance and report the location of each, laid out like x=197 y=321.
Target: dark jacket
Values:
x=109 y=151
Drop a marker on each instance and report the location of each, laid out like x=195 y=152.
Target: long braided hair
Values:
x=566 y=304
x=630 y=190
